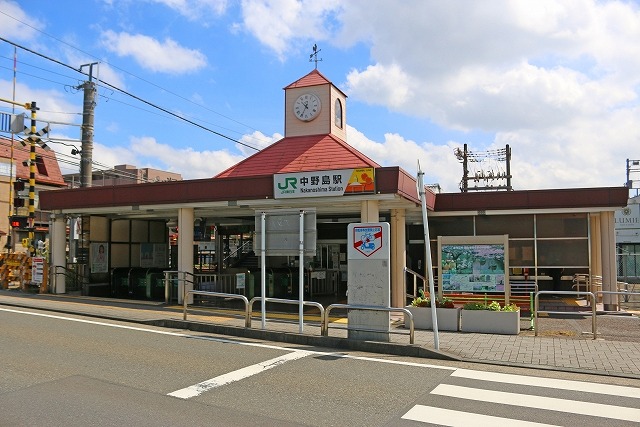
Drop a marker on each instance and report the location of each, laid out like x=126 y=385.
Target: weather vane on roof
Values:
x=314 y=56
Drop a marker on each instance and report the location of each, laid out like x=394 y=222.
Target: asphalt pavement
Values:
x=564 y=342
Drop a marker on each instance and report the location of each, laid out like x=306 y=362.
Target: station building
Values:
x=547 y=236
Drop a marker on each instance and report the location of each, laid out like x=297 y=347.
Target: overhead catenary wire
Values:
x=151 y=104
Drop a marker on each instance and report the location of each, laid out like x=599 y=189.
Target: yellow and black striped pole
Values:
x=33 y=137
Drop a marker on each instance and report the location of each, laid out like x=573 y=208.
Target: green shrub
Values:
x=492 y=306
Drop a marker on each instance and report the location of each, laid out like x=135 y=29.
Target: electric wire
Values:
x=179 y=117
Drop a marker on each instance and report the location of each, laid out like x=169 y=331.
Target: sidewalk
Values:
x=564 y=343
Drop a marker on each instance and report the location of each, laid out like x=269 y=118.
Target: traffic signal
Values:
x=18 y=185
x=18 y=221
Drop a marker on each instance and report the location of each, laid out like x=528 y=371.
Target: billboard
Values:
x=473 y=264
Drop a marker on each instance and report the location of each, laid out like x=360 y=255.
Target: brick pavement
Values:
x=563 y=343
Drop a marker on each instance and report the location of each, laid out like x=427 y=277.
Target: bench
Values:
x=520 y=295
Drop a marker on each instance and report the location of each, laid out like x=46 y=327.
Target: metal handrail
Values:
x=415 y=282
x=576 y=293
x=619 y=293
x=247 y=316
x=67 y=273
x=370 y=308
x=167 y=282
x=291 y=302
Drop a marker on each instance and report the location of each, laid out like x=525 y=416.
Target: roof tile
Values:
x=301 y=154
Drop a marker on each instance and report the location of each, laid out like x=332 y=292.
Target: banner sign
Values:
x=338 y=182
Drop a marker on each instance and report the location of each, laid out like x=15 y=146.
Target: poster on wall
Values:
x=153 y=255
x=99 y=258
x=473 y=267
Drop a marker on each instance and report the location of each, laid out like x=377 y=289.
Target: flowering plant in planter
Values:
x=423 y=300
x=490 y=318
x=447 y=314
x=493 y=306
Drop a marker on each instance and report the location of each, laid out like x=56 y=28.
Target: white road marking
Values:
x=230 y=341
x=464 y=373
x=539 y=402
x=451 y=418
x=240 y=374
x=614 y=390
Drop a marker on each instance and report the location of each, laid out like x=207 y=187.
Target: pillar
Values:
x=369 y=211
x=185 y=250
x=609 y=270
x=596 y=245
x=398 y=258
x=58 y=248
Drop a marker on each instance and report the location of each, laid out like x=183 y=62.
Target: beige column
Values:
x=398 y=258
x=596 y=245
x=369 y=211
x=58 y=248
x=185 y=249
x=609 y=270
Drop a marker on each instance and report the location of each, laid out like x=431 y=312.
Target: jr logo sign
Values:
x=367 y=240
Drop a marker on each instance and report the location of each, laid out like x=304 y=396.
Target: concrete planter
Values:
x=448 y=318
x=490 y=322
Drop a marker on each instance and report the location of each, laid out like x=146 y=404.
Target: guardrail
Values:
x=369 y=308
x=168 y=282
x=576 y=293
x=416 y=276
x=247 y=316
x=619 y=293
x=291 y=302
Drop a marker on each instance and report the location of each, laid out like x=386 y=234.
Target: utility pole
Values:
x=86 y=152
x=485 y=179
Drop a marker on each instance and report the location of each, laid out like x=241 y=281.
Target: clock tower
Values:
x=314 y=106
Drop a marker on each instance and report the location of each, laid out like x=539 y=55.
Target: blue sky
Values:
x=556 y=80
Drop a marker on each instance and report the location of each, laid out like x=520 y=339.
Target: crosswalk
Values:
x=477 y=398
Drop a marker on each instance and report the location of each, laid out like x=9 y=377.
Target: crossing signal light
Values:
x=18 y=186
x=18 y=221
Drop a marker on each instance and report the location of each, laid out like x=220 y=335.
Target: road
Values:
x=65 y=370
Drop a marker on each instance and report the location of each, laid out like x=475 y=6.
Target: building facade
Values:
x=546 y=232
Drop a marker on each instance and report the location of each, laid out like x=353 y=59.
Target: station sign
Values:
x=339 y=182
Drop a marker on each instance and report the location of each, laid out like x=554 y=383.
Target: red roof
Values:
x=301 y=154
x=314 y=78
x=21 y=154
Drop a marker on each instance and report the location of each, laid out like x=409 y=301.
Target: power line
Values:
x=131 y=95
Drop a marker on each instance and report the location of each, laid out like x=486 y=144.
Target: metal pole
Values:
x=427 y=246
x=263 y=268
x=301 y=274
x=535 y=313
x=86 y=155
x=32 y=178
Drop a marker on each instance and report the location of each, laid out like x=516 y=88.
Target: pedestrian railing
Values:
x=290 y=302
x=537 y=311
x=624 y=295
x=175 y=277
x=247 y=316
x=369 y=308
x=415 y=276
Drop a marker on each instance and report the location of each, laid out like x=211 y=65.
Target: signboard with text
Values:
x=337 y=182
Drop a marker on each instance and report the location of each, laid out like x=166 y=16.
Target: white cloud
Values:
x=190 y=163
x=557 y=80
x=15 y=23
x=196 y=10
x=166 y=57
x=279 y=24
x=437 y=161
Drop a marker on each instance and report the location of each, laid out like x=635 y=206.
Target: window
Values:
x=42 y=169
x=338 y=112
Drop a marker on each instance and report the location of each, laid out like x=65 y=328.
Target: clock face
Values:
x=307 y=107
